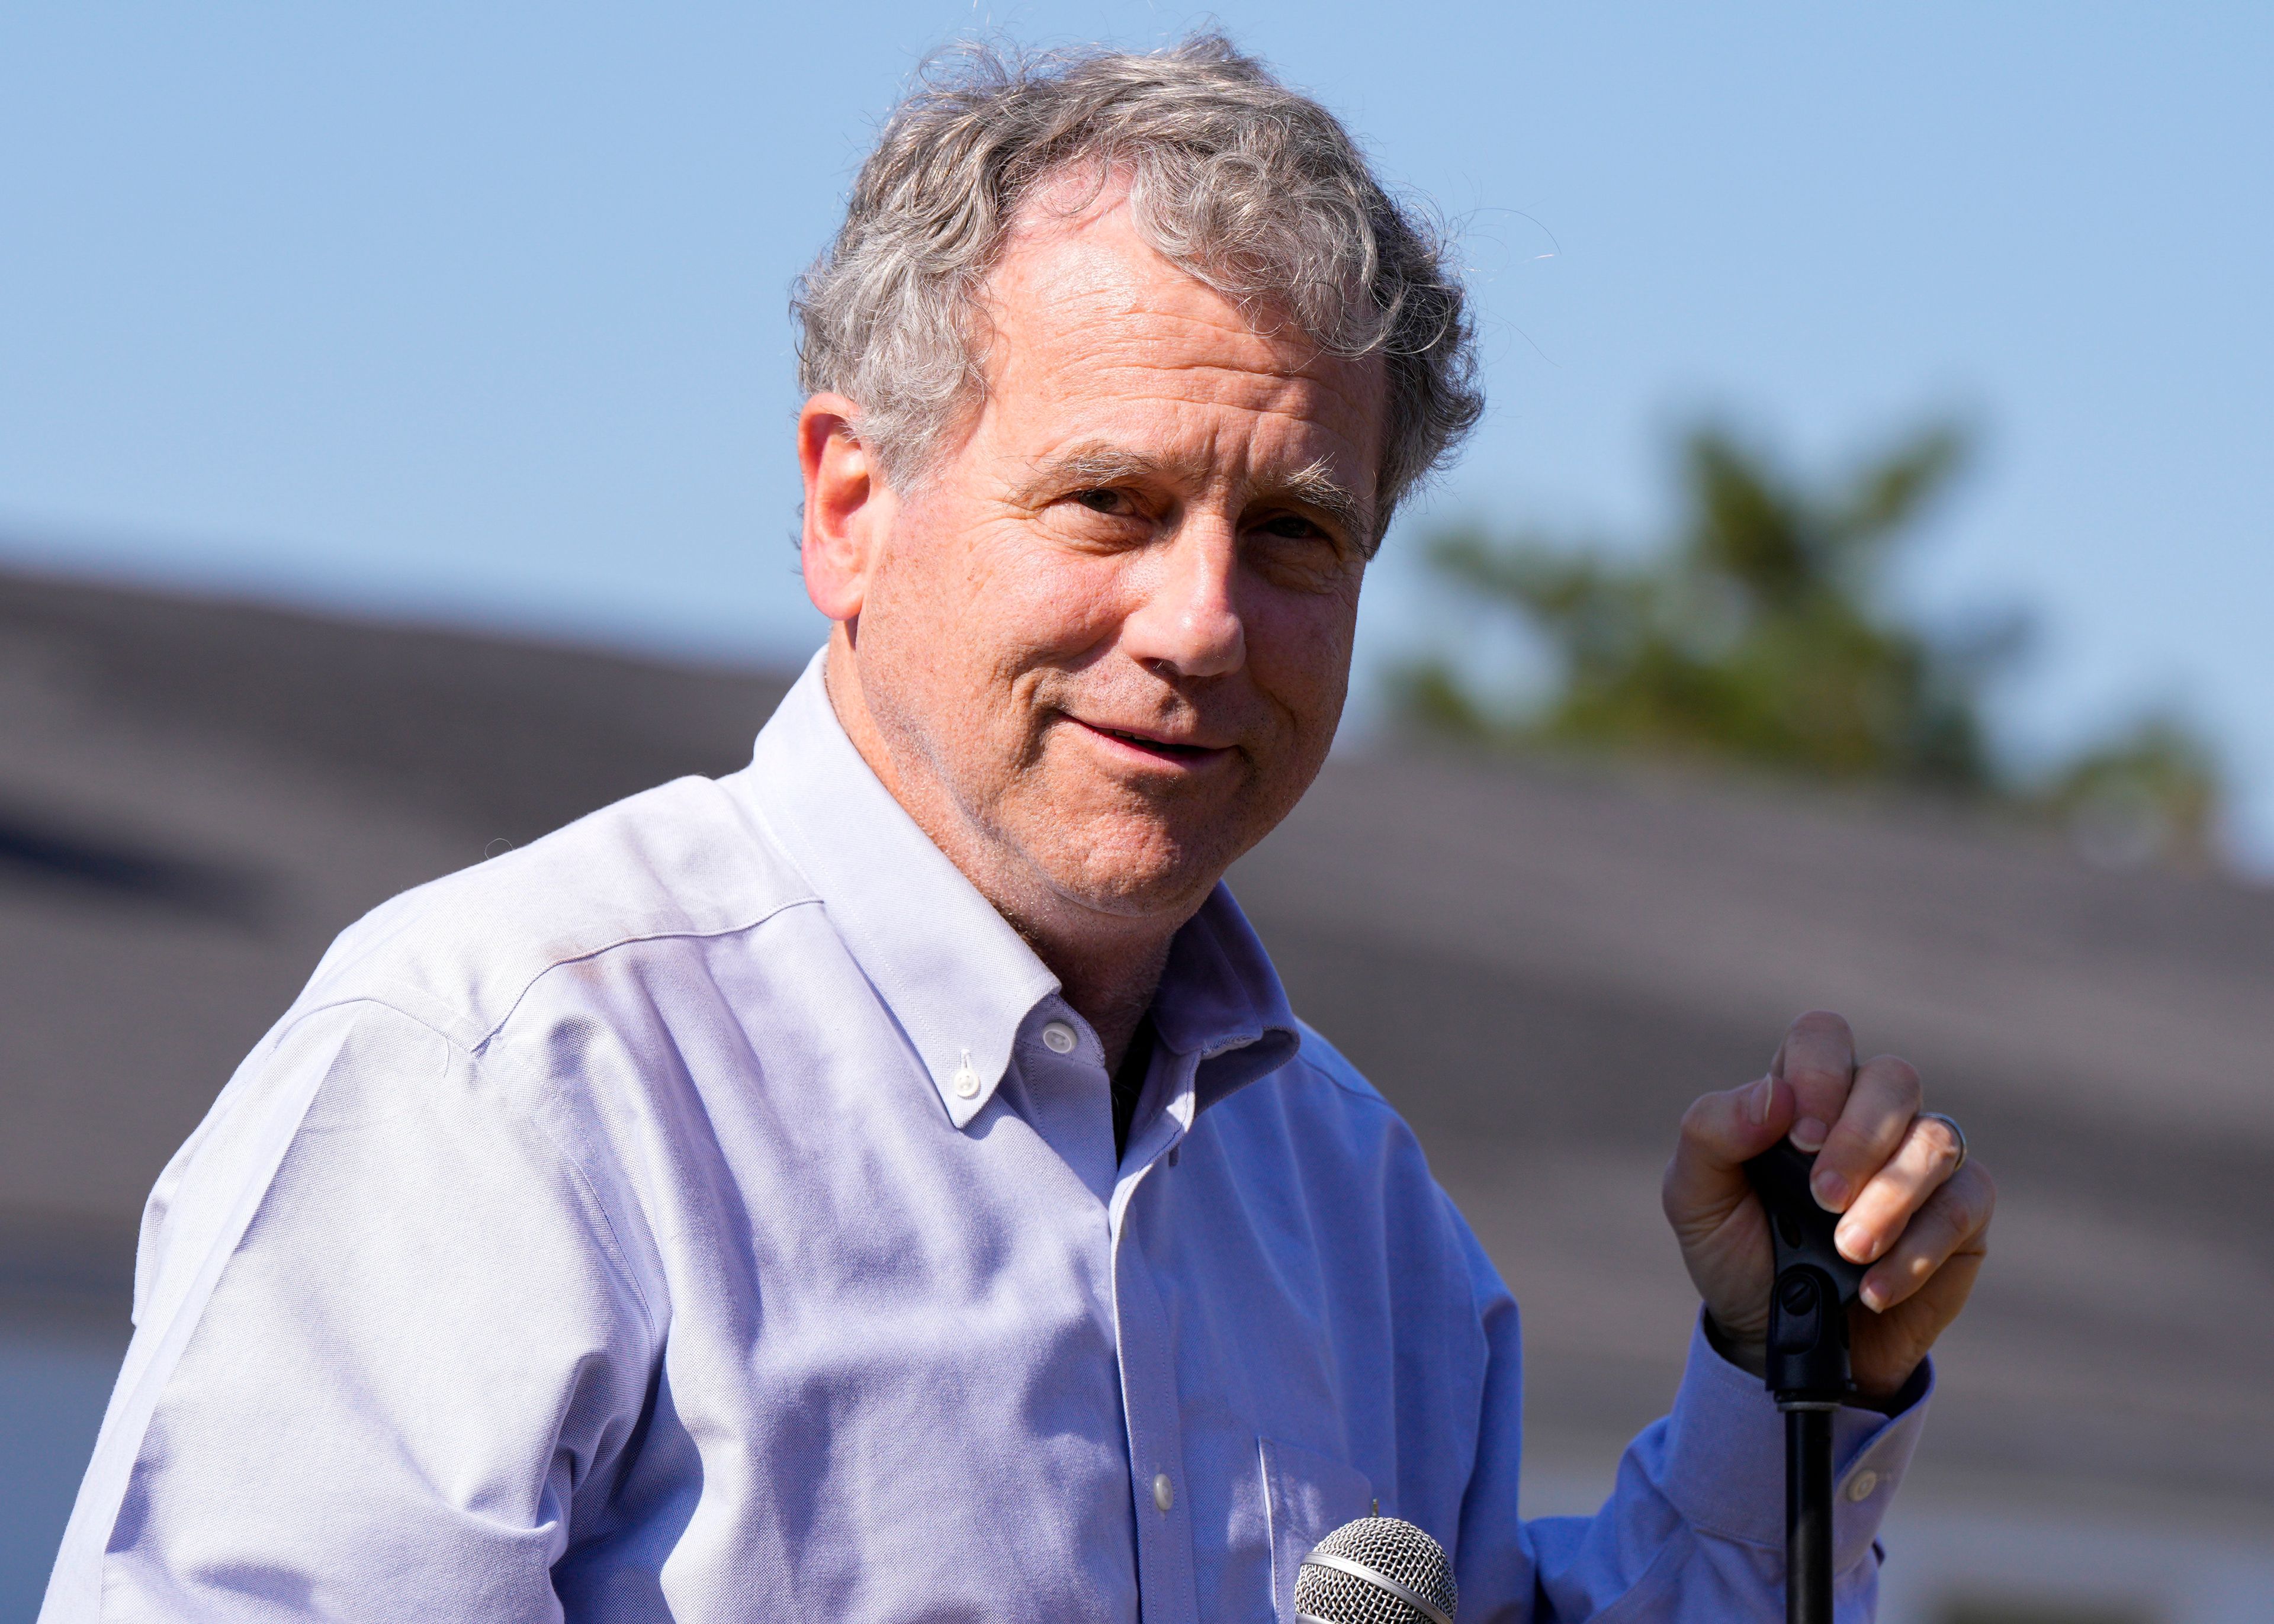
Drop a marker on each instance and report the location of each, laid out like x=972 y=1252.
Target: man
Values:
x=888 y=1183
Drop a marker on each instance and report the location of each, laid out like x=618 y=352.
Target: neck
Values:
x=1108 y=965
x=1112 y=991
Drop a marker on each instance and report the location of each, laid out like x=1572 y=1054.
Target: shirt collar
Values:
x=1222 y=1002
x=954 y=975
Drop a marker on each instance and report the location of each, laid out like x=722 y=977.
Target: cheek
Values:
x=972 y=606
x=1032 y=604
x=1298 y=649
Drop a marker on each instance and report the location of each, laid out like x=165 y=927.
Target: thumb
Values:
x=1722 y=1231
x=1720 y=1132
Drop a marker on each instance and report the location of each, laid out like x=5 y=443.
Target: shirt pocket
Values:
x=1306 y=1496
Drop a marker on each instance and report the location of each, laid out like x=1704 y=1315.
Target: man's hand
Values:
x=1921 y=1221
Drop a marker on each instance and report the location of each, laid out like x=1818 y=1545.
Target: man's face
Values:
x=1105 y=639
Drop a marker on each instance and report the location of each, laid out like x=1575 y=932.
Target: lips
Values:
x=1155 y=745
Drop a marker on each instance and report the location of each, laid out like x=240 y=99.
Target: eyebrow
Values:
x=1098 y=464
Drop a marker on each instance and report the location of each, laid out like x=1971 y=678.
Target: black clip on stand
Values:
x=1807 y=1368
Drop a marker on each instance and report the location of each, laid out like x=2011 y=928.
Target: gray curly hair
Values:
x=1254 y=188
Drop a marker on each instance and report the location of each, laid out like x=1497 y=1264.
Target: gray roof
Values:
x=1540 y=964
x=1542 y=967
x=195 y=797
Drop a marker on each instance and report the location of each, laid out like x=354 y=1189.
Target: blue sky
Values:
x=479 y=313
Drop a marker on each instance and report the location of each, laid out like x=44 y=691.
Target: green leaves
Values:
x=1753 y=636
x=1762 y=632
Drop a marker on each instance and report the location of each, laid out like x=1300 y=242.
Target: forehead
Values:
x=1095 y=335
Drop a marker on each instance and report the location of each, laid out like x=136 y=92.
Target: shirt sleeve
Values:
x=385 y=1335
x=1693 y=1533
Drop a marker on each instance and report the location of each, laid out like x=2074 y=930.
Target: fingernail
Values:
x=1854 y=1244
x=1809 y=1134
x=1874 y=1295
x=1764 y=1095
x=1831 y=1190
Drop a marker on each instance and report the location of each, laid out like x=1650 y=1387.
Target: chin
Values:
x=1136 y=871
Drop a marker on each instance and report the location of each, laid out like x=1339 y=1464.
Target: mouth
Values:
x=1181 y=751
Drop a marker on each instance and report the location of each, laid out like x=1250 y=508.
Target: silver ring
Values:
x=1956 y=1132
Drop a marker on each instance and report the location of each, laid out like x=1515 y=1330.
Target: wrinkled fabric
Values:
x=684 y=1218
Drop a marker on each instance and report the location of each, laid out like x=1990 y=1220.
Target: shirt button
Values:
x=1059 y=1038
x=1164 y=1492
x=1860 y=1485
x=967 y=1082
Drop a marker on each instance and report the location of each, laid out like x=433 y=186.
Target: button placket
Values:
x=1065 y=1096
x=1160 y=1136
x=1156 y=1433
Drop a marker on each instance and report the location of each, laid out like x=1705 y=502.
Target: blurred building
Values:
x=1539 y=964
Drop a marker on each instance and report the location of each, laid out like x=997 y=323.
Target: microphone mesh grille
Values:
x=1334 y=1598
x=1393 y=1548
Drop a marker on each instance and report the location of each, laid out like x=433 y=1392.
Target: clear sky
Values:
x=479 y=312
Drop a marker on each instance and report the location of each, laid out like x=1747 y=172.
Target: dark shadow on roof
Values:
x=38 y=852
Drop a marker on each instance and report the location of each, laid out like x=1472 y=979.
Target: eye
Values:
x=1105 y=499
x=1301 y=554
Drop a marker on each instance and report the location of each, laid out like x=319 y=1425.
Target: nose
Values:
x=1186 y=622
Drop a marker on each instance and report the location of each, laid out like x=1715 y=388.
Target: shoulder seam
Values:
x=472 y=1039
x=1368 y=1093
x=514 y=1007
x=294 y=1017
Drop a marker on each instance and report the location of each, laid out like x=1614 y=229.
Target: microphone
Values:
x=1807 y=1365
x=1377 y=1570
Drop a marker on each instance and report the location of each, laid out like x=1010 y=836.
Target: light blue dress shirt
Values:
x=711 y=1211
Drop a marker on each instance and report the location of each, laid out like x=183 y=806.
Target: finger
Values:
x=1818 y=1057
x=1720 y=1132
x=1927 y=1156
x=1879 y=1109
x=1953 y=1221
x=1889 y=1346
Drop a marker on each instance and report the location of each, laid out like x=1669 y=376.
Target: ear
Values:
x=848 y=507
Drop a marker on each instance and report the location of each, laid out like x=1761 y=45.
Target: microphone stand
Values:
x=1808 y=1370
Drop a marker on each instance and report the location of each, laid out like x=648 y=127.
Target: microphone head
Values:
x=1377 y=1570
